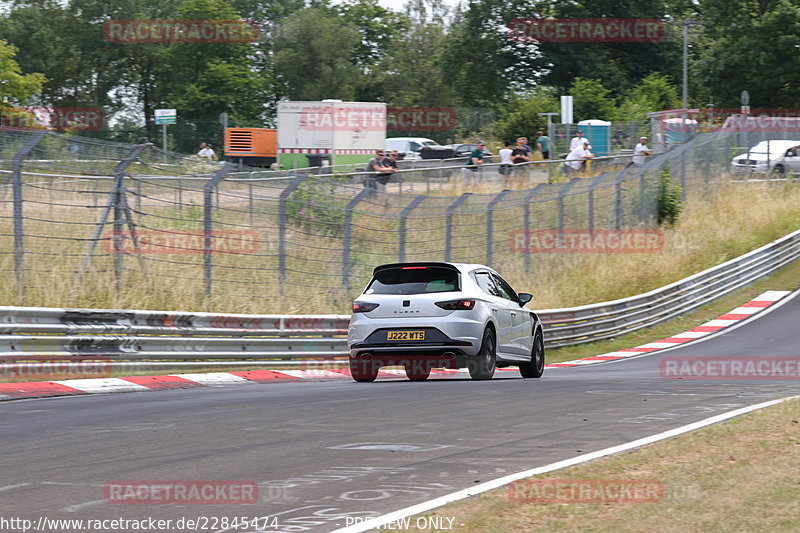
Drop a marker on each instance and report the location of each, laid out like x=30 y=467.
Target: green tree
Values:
x=619 y=65
x=752 y=45
x=202 y=80
x=412 y=67
x=313 y=57
x=520 y=117
x=591 y=100
x=16 y=87
x=653 y=93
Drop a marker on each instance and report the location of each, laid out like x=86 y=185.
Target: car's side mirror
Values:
x=524 y=298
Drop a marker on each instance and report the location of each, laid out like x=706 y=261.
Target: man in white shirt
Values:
x=578 y=141
x=640 y=152
x=506 y=164
x=576 y=158
x=206 y=152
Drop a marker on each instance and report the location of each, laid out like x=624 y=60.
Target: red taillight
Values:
x=363 y=307
x=414 y=268
x=457 y=305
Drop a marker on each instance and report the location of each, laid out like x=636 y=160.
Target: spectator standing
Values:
x=383 y=173
x=470 y=171
x=576 y=158
x=640 y=152
x=506 y=164
x=206 y=152
x=578 y=141
x=543 y=144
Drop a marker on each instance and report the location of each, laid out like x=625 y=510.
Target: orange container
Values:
x=251 y=142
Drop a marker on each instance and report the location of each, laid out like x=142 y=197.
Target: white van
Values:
x=780 y=157
x=410 y=146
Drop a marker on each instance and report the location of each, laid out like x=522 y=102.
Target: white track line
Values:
x=505 y=480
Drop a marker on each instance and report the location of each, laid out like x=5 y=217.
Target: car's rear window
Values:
x=419 y=280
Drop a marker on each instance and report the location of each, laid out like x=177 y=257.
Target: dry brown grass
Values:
x=738 y=476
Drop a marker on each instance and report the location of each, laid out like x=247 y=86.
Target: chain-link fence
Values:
x=86 y=222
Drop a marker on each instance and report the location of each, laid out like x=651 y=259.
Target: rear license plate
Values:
x=405 y=335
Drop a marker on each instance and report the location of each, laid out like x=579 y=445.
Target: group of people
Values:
x=580 y=150
x=512 y=156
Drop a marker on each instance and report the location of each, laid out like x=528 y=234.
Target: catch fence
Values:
x=90 y=222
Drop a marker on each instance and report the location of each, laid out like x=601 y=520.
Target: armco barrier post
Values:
x=348 y=220
x=19 y=246
x=526 y=220
x=208 y=225
x=490 y=224
x=448 y=230
x=282 y=222
x=401 y=245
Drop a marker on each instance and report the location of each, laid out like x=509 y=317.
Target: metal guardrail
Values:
x=132 y=335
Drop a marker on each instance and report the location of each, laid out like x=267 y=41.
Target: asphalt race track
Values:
x=321 y=451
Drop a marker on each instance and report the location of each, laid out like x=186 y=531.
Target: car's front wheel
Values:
x=482 y=365
x=535 y=368
x=363 y=371
x=779 y=171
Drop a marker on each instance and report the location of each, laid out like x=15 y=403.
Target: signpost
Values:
x=164 y=117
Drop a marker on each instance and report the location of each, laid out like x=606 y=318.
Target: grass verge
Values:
x=736 y=476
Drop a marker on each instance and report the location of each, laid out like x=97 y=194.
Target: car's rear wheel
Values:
x=363 y=371
x=417 y=372
x=535 y=368
x=482 y=365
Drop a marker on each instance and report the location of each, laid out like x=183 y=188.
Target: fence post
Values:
x=490 y=224
x=348 y=218
x=208 y=221
x=19 y=246
x=114 y=202
x=401 y=246
x=618 y=209
x=590 y=207
x=282 y=219
x=526 y=221
x=448 y=231
x=561 y=194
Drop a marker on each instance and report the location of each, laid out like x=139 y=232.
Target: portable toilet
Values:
x=599 y=134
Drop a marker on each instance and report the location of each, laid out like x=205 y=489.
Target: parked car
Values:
x=410 y=146
x=449 y=315
x=780 y=157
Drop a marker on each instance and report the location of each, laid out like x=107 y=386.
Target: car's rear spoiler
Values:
x=392 y=266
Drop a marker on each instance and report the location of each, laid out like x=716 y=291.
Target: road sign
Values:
x=166 y=116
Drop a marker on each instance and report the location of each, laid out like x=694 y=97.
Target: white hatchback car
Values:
x=446 y=315
x=780 y=157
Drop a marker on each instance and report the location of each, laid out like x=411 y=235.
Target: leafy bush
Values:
x=314 y=207
x=670 y=204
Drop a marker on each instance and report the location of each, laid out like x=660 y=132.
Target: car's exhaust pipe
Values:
x=448 y=356
x=365 y=357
